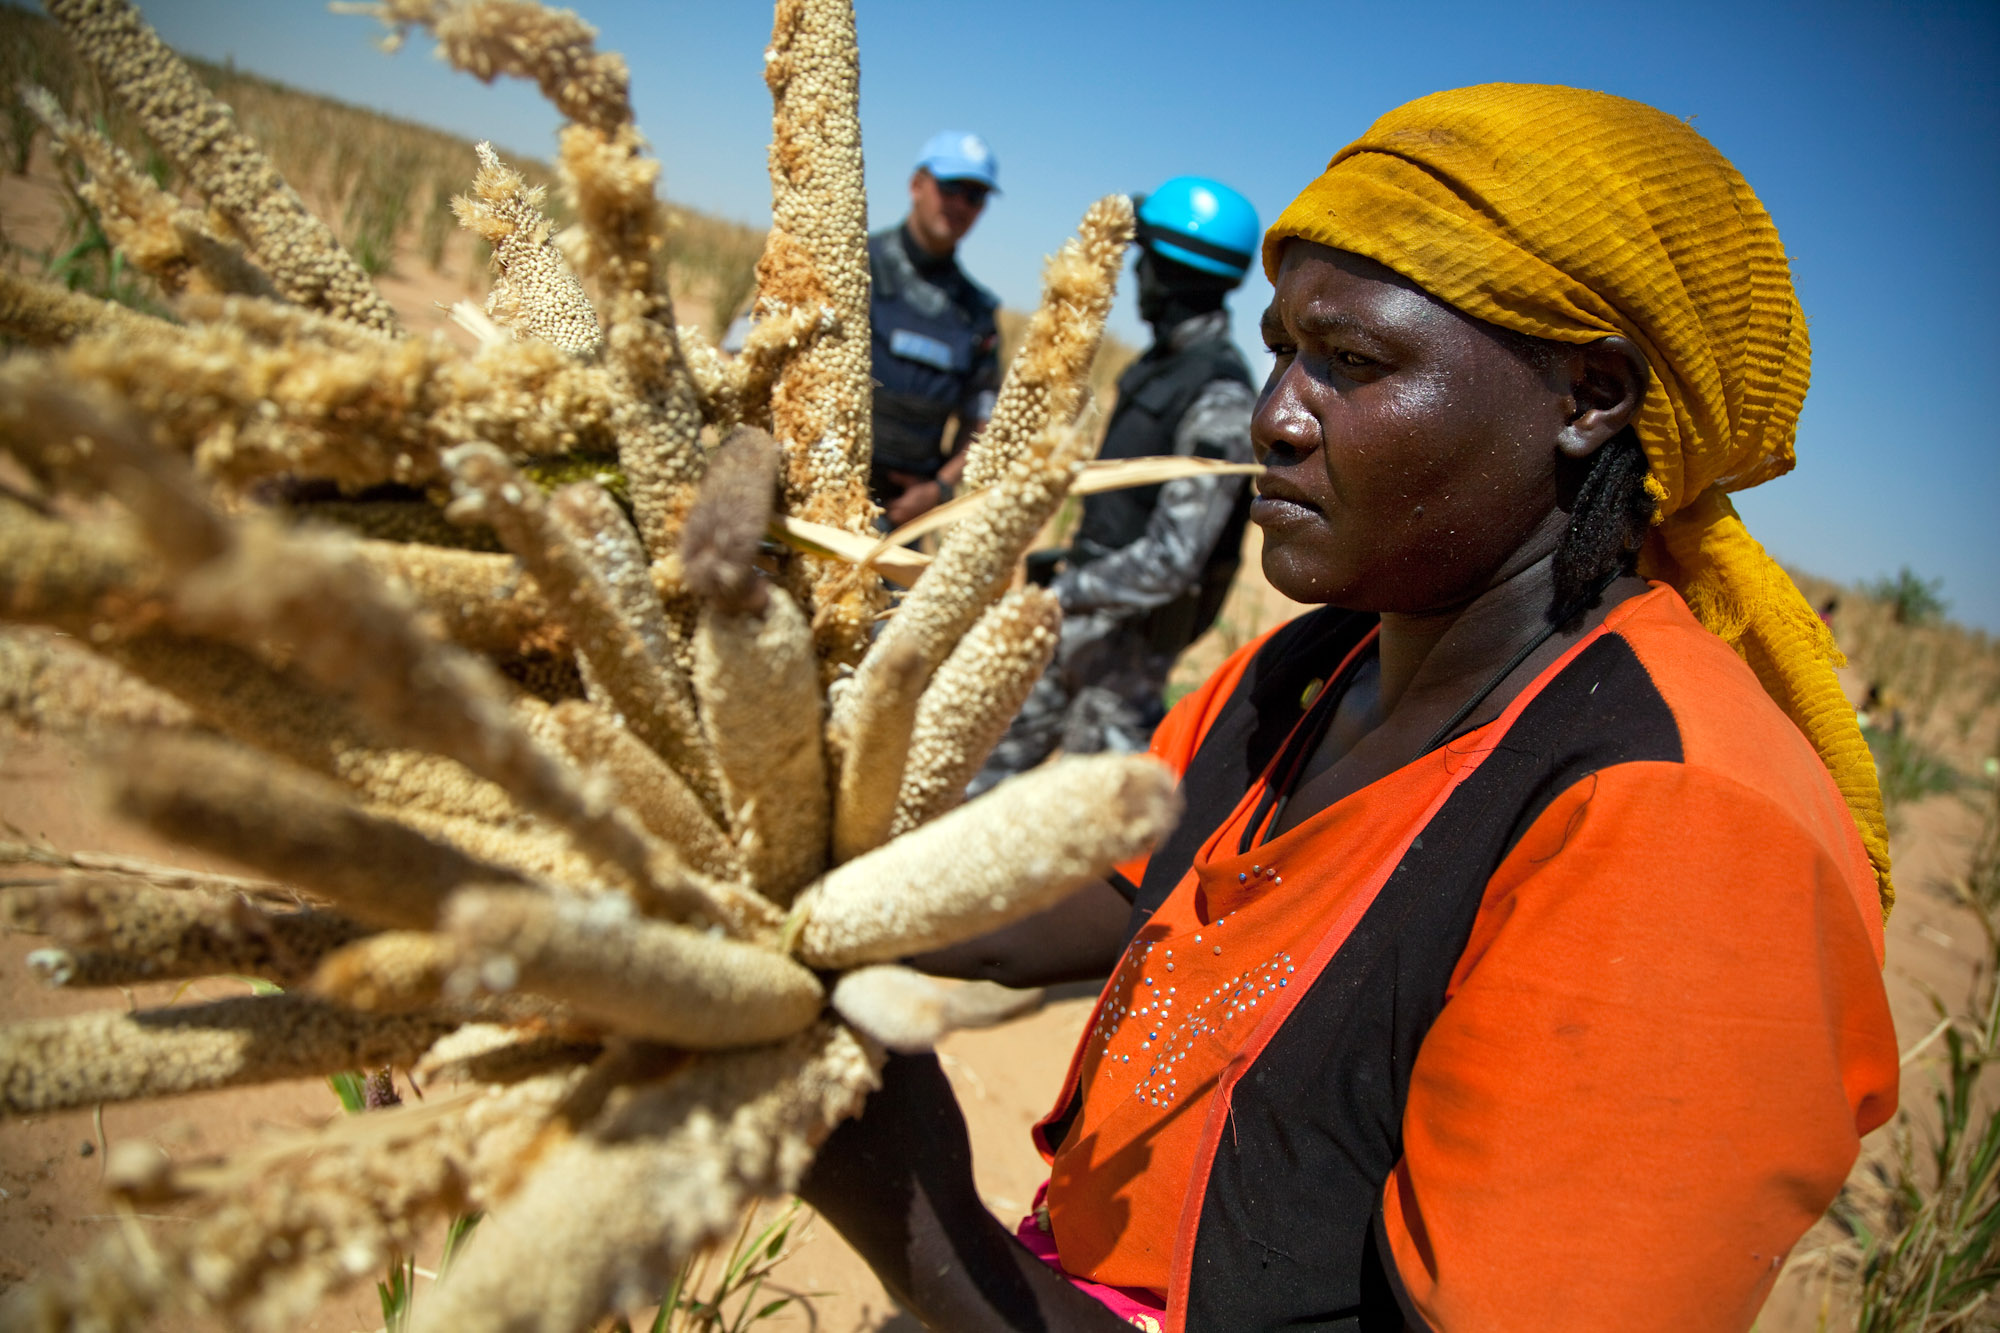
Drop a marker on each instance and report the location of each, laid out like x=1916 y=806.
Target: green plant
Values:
x=87 y=261
x=1927 y=1224
x=1908 y=771
x=1932 y=1261
x=732 y=1305
x=376 y=208
x=347 y=1087
x=439 y=224
x=1913 y=600
x=399 y=1293
x=82 y=256
x=1980 y=888
x=22 y=127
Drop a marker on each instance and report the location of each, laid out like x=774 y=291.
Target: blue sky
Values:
x=1872 y=133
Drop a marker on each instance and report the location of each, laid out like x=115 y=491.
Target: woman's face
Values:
x=1412 y=456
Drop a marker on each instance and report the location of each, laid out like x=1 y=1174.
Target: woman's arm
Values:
x=1079 y=939
x=1666 y=1036
x=896 y=1182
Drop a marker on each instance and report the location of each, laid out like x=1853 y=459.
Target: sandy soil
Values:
x=50 y=1206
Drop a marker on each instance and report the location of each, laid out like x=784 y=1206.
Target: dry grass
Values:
x=1940 y=679
x=1922 y=1246
x=1916 y=1245
x=714 y=263
x=384 y=184
x=387 y=184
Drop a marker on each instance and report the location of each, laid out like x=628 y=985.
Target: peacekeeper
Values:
x=936 y=351
x=1149 y=567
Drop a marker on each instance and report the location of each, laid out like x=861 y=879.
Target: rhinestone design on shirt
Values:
x=1163 y=1022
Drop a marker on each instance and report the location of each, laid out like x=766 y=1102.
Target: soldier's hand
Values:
x=915 y=499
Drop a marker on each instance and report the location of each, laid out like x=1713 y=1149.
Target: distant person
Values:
x=936 y=353
x=1149 y=567
x=1881 y=710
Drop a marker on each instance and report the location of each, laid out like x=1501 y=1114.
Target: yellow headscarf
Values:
x=1571 y=215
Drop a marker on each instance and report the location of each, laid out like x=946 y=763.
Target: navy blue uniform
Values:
x=936 y=355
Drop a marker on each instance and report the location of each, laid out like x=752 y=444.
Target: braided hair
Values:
x=1607 y=524
x=1610 y=511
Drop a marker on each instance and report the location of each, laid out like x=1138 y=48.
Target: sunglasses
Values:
x=971 y=192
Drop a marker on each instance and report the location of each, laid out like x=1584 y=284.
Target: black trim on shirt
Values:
x=1380 y=1260
x=1261 y=711
x=1285 y=1234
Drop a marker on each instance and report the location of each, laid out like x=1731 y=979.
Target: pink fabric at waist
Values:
x=1137 y=1306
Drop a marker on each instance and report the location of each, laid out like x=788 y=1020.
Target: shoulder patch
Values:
x=923 y=349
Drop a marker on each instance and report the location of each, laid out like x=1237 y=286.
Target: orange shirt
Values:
x=1656 y=1053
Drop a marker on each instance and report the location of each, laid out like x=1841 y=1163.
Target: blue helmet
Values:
x=1202 y=223
x=955 y=155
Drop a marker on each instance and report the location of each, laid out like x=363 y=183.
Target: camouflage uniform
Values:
x=1129 y=610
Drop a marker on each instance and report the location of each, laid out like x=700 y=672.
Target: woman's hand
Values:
x=896 y=1182
x=1078 y=939
x=918 y=496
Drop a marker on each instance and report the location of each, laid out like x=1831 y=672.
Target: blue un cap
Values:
x=957 y=155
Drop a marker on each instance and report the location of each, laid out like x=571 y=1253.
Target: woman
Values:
x=1516 y=962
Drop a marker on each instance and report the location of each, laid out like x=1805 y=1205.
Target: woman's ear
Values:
x=1607 y=380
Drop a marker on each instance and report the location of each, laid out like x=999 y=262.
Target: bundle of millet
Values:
x=641 y=912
